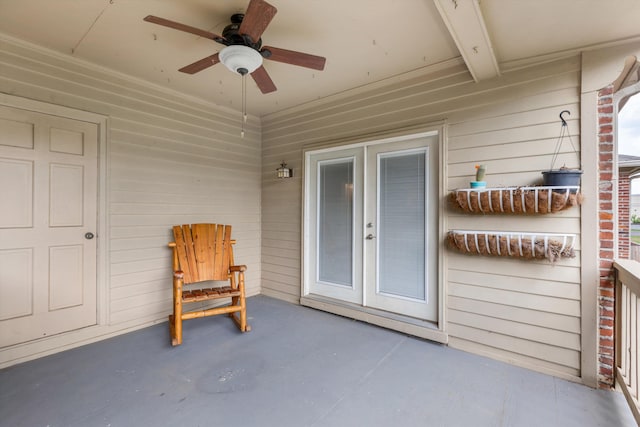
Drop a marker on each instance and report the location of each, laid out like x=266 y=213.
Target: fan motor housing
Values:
x=232 y=35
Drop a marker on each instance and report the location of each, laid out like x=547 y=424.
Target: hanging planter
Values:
x=551 y=246
x=516 y=200
x=563 y=176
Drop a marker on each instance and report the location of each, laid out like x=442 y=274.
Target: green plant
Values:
x=635 y=219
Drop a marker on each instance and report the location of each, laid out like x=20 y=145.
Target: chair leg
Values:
x=243 y=305
x=240 y=320
x=175 y=320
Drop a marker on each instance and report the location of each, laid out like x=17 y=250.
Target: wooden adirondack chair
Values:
x=203 y=252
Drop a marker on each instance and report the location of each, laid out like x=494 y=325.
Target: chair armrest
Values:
x=240 y=268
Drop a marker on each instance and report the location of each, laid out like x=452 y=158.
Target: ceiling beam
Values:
x=466 y=25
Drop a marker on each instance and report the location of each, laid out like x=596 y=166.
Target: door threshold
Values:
x=409 y=325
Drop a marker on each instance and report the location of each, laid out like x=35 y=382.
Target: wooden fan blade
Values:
x=256 y=19
x=201 y=64
x=295 y=58
x=183 y=27
x=263 y=80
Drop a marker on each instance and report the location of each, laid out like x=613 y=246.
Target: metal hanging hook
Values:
x=564 y=122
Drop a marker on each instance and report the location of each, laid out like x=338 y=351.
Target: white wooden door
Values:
x=401 y=241
x=335 y=238
x=48 y=216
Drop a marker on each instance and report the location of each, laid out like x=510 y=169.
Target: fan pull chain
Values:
x=244 y=103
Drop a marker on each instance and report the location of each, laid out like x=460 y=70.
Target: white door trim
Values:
x=101 y=121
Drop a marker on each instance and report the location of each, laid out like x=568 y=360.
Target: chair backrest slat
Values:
x=227 y=255
x=190 y=250
x=181 y=250
x=219 y=249
x=200 y=233
x=204 y=251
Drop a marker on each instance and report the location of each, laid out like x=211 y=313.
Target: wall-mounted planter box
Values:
x=515 y=244
x=516 y=200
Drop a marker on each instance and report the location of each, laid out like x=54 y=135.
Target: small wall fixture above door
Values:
x=283 y=171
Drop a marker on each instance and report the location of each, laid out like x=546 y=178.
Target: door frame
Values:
x=102 y=273
x=425 y=329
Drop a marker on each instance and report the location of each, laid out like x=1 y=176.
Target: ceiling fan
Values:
x=244 y=52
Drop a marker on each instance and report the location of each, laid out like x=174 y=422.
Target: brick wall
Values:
x=624 y=194
x=606 y=237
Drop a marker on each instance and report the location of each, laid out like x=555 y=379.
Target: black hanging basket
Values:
x=562 y=176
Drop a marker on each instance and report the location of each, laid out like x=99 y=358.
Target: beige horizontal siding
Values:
x=526 y=312
x=171 y=160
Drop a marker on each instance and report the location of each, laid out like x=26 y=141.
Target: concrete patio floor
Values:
x=297 y=367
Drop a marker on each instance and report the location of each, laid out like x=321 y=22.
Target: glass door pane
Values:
x=401 y=225
x=335 y=222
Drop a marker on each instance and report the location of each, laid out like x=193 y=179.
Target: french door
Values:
x=371 y=225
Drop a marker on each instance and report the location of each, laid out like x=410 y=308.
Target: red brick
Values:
x=605 y=109
x=604 y=148
x=605 y=283
x=607 y=322
x=606 y=138
x=606 y=305
x=605 y=216
x=606 y=235
x=606 y=244
x=605 y=91
x=606 y=341
x=608 y=293
x=606 y=225
x=606 y=332
x=608 y=351
x=606 y=371
x=606 y=273
x=606 y=254
x=605 y=129
x=606 y=265
x=606 y=290
x=605 y=360
x=605 y=119
x=605 y=100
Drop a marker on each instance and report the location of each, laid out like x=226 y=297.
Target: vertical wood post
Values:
x=178 y=282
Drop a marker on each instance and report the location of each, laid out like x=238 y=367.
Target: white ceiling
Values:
x=364 y=41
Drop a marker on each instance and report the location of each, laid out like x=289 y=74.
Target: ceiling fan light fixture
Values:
x=240 y=59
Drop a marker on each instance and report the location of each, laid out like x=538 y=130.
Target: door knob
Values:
x=370 y=237
x=88 y=236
